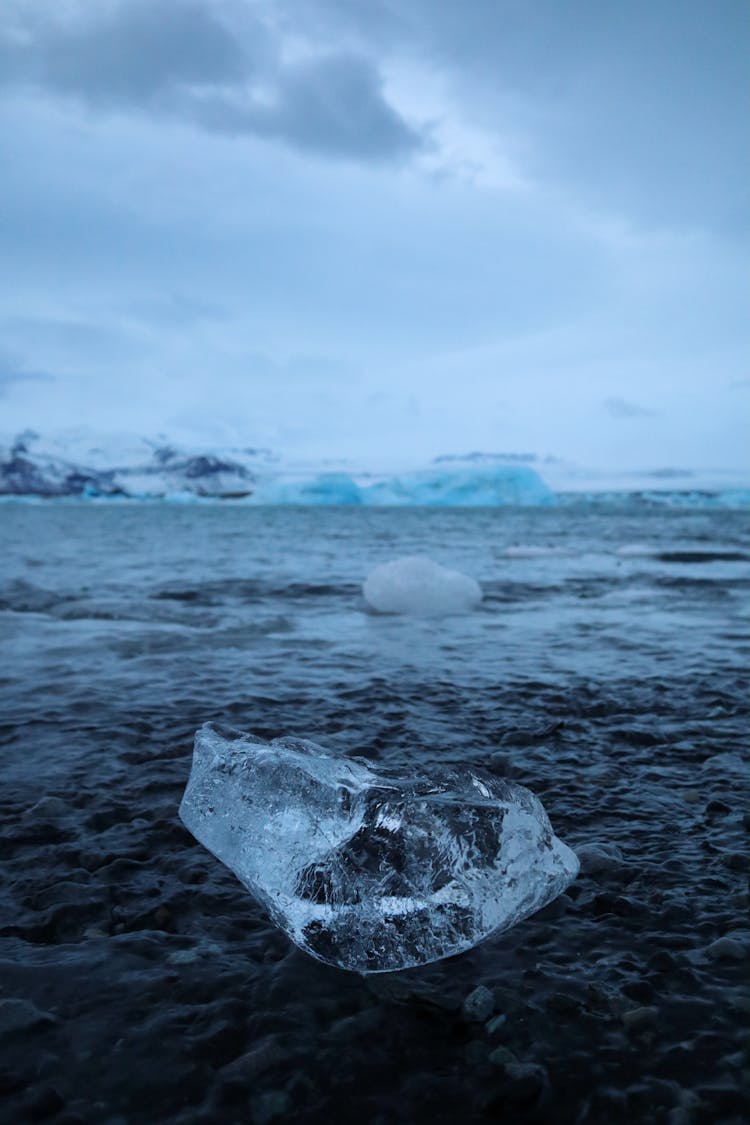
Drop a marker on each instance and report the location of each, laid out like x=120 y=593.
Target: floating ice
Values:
x=322 y=490
x=474 y=486
x=530 y=551
x=417 y=585
x=372 y=871
x=495 y=485
x=636 y=551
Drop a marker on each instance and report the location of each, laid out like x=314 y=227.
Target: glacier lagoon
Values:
x=605 y=669
x=372 y=871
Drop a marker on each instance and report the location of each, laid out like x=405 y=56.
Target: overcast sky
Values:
x=380 y=228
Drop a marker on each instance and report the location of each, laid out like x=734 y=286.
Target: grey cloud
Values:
x=333 y=104
x=204 y=62
x=640 y=106
x=13 y=371
x=124 y=51
x=621 y=408
x=137 y=51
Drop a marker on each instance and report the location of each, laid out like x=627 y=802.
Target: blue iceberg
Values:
x=491 y=486
x=322 y=490
x=481 y=486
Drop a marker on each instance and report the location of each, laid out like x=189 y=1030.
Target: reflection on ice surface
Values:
x=368 y=870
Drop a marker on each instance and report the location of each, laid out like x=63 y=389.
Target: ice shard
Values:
x=372 y=871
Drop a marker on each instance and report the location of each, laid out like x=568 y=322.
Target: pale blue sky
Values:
x=380 y=230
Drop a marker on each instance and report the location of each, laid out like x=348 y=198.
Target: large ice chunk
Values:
x=474 y=486
x=372 y=871
x=321 y=490
x=417 y=585
x=492 y=485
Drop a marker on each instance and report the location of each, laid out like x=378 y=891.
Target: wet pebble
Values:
x=48 y=808
x=265 y=1054
x=476 y=1052
x=728 y=948
x=45 y=1103
x=718 y=808
x=273 y=1105
x=478 y=1005
x=496 y=1023
x=18 y=1015
x=527 y=1081
x=502 y=1057
x=597 y=857
x=637 y=1020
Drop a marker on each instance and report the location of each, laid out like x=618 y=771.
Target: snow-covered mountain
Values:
x=81 y=465
x=84 y=465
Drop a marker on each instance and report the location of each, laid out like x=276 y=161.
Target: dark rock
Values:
x=616 y=904
x=221 y=1043
x=476 y=1052
x=496 y=1023
x=11 y=1080
x=638 y=1020
x=46 y=1103
x=597 y=857
x=163 y=918
x=563 y=1004
x=639 y=990
x=502 y=1057
x=728 y=948
x=662 y=961
x=18 y=1016
x=270 y=1106
x=478 y=1005
x=526 y=1083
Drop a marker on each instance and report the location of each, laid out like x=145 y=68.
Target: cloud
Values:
x=621 y=408
x=633 y=108
x=333 y=104
x=12 y=371
x=129 y=53
x=213 y=64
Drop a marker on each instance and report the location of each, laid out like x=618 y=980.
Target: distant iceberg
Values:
x=475 y=486
x=490 y=486
x=418 y=586
x=84 y=464
x=325 y=489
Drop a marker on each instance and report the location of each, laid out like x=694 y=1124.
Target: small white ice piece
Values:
x=416 y=585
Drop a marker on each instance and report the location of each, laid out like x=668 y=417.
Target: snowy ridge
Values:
x=126 y=467
x=85 y=465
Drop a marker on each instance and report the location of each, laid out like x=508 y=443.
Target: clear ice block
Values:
x=372 y=871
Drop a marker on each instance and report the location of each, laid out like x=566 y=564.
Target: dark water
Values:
x=607 y=671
